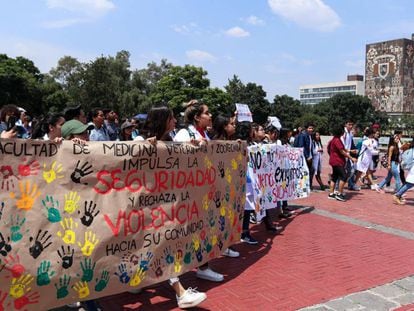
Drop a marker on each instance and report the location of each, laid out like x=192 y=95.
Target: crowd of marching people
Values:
x=353 y=164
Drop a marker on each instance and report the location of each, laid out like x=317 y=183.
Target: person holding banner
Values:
x=224 y=128
x=198 y=119
x=158 y=126
x=244 y=131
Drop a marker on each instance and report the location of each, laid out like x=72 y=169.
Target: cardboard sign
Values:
x=243 y=113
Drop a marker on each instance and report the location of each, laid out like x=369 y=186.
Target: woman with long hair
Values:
x=393 y=164
x=245 y=131
x=159 y=123
x=224 y=127
x=317 y=153
x=198 y=119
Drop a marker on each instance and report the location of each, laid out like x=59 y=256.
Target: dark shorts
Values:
x=338 y=173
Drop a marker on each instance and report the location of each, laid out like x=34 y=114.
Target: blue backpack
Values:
x=407 y=159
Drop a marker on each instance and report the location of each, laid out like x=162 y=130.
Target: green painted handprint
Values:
x=87 y=269
x=16 y=225
x=188 y=254
x=62 y=290
x=43 y=275
x=53 y=214
x=101 y=284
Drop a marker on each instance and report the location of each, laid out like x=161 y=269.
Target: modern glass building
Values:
x=315 y=93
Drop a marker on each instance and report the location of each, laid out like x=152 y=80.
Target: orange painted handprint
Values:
x=28 y=195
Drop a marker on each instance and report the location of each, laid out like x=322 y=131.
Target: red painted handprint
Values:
x=28 y=168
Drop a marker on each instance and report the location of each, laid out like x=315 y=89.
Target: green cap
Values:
x=74 y=127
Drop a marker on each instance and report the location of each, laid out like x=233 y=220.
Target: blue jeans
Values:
x=349 y=167
x=407 y=186
x=394 y=171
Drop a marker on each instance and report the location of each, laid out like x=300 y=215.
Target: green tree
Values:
x=104 y=81
x=342 y=107
x=179 y=85
x=288 y=110
x=20 y=83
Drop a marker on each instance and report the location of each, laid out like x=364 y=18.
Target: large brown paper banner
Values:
x=79 y=222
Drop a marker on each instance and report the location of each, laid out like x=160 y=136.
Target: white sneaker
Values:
x=231 y=253
x=209 y=275
x=74 y=305
x=190 y=298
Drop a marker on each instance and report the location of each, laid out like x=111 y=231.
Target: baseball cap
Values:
x=74 y=127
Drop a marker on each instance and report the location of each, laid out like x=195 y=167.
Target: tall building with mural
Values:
x=389 y=76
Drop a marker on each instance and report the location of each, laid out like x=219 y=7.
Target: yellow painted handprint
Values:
x=53 y=173
x=283 y=184
x=138 y=277
x=205 y=202
x=234 y=164
x=68 y=236
x=177 y=263
x=228 y=175
x=230 y=215
x=89 y=244
x=19 y=286
x=213 y=237
x=196 y=243
x=82 y=289
x=207 y=162
x=71 y=202
x=223 y=211
x=28 y=195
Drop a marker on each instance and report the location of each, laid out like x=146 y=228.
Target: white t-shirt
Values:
x=189 y=133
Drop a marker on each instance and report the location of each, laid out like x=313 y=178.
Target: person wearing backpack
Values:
x=408 y=162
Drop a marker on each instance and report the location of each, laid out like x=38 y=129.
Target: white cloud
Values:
x=43 y=54
x=84 y=11
x=312 y=14
x=191 y=28
x=237 y=32
x=254 y=20
x=86 y=7
x=200 y=56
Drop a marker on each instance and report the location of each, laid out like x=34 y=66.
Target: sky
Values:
x=279 y=44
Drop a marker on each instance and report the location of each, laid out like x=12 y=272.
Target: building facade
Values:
x=315 y=93
x=389 y=76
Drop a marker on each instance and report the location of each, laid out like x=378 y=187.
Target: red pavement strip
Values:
x=406 y=308
x=314 y=259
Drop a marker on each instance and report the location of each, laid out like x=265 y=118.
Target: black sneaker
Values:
x=340 y=197
x=248 y=239
x=332 y=196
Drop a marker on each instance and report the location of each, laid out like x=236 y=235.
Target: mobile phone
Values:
x=11 y=122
